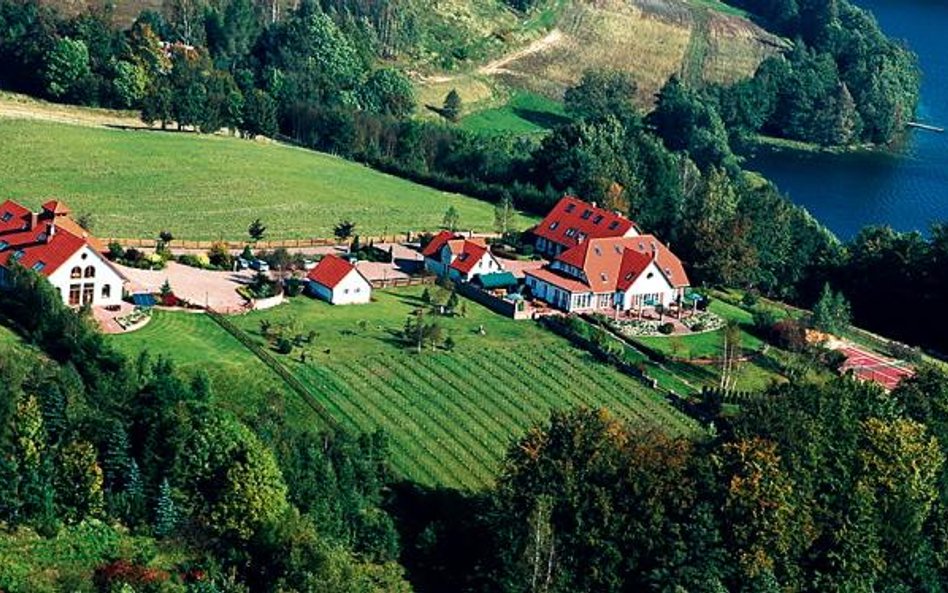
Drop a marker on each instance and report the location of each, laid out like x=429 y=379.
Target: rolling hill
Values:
x=135 y=183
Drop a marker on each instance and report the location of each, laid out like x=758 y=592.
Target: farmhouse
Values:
x=458 y=258
x=620 y=273
x=339 y=282
x=52 y=244
x=573 y=221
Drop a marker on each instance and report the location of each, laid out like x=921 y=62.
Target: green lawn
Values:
x=136 y=183
x=708 y=344
x=524 y=113
x=240 y=381
x=450 y=415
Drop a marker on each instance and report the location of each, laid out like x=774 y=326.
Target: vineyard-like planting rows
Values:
x=450 y=417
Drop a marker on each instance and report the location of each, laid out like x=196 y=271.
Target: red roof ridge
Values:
x=330 y=270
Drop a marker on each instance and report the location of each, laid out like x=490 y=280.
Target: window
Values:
x=618 y=250
x=346 y=291
x=74 y=292
x=580 y=237
x=41 y=238
x=570 y=208
x=598 y=219
x=554 y=224
x=3 y=245
x=88 y=293
x=85 y=255
x=570 y=232
x=603 y=276
x=597 y=250
x=76 y=272
x=358 y=289
x=6 y=217
x=90 y=272
x=650 y=275
x=17 y=255
x=106 y=291
x=587 y=214
x=613 y=225
x=38 y=266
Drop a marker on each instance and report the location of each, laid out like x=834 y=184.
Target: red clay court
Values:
x=868 y=366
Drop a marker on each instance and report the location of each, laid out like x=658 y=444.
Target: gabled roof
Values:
x=616 y=263
x=495 y=280
x=55 y=207
x=573 y=221
x=470 y=253
x=435 y=245
x=30 y=242
x=331 y=270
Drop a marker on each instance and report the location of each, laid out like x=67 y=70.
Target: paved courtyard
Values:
x=201 y=287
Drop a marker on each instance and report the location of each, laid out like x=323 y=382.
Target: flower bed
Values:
x=133 y=318
x=703 y=321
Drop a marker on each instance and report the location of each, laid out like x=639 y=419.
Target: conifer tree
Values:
x=166 y=515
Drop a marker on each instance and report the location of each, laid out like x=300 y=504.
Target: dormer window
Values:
x=628 y=276
x=38 y=266
x=580 y=237
x=17 y=255
x=6 y=217
x=570 y=208
x=554 y=224
x=613 y=225
x=587 y=214
x=570 y=232
x=3 y=245
x=42 y=237
x=598 y=219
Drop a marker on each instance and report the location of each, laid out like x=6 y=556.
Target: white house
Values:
x=339 y=282
x=616 y=273
x=573 y=221
x=52 y=244
x=458 y=258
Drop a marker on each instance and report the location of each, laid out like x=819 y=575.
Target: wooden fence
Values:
x=402 y=282
x=268 y=359
x=238 y=245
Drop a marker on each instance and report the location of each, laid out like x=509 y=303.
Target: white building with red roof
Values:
x=459 y=259
x=337 y=281
x=610 y=273
x=50 y=243
x=573 y=221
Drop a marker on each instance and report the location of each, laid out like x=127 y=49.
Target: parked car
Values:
x=259 y=265
x=309 y=264
x=242 y=264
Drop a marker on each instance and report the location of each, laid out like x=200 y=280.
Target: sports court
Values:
x=868 y=366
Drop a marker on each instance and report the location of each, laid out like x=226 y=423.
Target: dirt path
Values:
x=498 y=66
x=20 y=107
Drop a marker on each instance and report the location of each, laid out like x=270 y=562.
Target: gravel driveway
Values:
x=216 y=289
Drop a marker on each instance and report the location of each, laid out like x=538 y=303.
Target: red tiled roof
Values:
x=437 y=243
x=34 y=245
x=330 y=271
x=572 y=221
x=470 y=254
x=558 y=279
x=55 y=207
x=617 y=262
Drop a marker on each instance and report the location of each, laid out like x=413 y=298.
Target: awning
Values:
x=495 y=280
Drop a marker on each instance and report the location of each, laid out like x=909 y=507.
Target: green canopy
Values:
x=496 y=280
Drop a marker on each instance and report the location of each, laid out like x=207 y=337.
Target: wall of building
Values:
x=353 y=289
x=650 y=282
x=98 y=283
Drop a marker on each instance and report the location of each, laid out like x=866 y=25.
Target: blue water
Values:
x=905 y=188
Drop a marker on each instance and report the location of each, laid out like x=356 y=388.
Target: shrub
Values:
x=195 y=261
x=750 y=299
x=789 y=335
x=698 y=327
x=283 y=345
x=219 y=256
x=666 y=328
x=116 y=251
x=764 y=321
x=294 y=287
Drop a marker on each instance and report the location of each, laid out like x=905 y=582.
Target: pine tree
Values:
x=166 y=515
x=117 y=460
x=79 y=483
x=848 y=124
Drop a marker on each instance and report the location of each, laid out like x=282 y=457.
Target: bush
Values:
x=195 y=261
x=789 y=335
x=666 y=328
x=283 y=345
x=764 y=321
x=294 y=287
x=698 y=327
x=219 y=256
x=750 y=299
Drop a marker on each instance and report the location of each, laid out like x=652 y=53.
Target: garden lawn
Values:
x=193 y=341
x=452 y=415
x=136 y=183
x=707 y=344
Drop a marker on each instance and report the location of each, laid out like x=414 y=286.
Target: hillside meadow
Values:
x=136 y=183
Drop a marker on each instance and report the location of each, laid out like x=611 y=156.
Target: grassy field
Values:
x=450 y=415
x=240 y=381
x=523 y=113
x=137 y=183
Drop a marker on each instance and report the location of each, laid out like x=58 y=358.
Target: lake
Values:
x=905 y=188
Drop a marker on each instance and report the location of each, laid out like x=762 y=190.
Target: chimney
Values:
x=34 y=218
x=50 y=231
x=654 y=249
x=594 y=204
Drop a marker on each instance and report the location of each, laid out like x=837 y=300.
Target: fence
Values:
x=268 y=359
x=495 y=304
x=402 y=282
x=238 y=245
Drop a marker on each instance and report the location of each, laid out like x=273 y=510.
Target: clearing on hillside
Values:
x=450 y=415
x=136 y=183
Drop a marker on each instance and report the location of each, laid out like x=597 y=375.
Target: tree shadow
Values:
x=544 y=119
